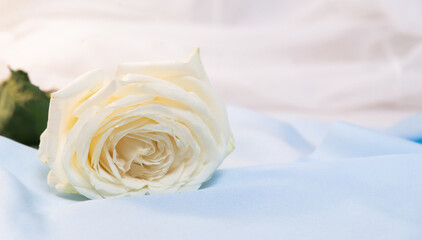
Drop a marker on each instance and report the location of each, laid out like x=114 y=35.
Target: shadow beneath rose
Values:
x=213 y=181
x=70 y=196
x=42 y=176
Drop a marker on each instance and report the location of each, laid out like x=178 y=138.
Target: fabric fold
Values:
x=357 y=184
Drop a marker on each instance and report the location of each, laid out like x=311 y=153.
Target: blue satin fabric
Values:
x=357 y=184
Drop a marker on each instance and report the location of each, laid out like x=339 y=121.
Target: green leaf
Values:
x=23 y=109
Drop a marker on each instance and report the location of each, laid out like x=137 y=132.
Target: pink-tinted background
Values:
x=358 y=61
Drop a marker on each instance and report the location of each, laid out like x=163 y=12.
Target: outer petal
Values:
x=61 y=120
x=166 y=70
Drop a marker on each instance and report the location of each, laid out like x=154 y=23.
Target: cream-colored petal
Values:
x=166 y=70
x=61 y=119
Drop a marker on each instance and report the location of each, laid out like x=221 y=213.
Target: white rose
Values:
x=157 y=127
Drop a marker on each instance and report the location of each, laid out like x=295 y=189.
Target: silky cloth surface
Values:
x=357 y=184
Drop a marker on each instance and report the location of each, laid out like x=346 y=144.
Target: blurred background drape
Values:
x=358 y=61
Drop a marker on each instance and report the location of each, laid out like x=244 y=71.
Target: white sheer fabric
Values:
x=351 y=60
